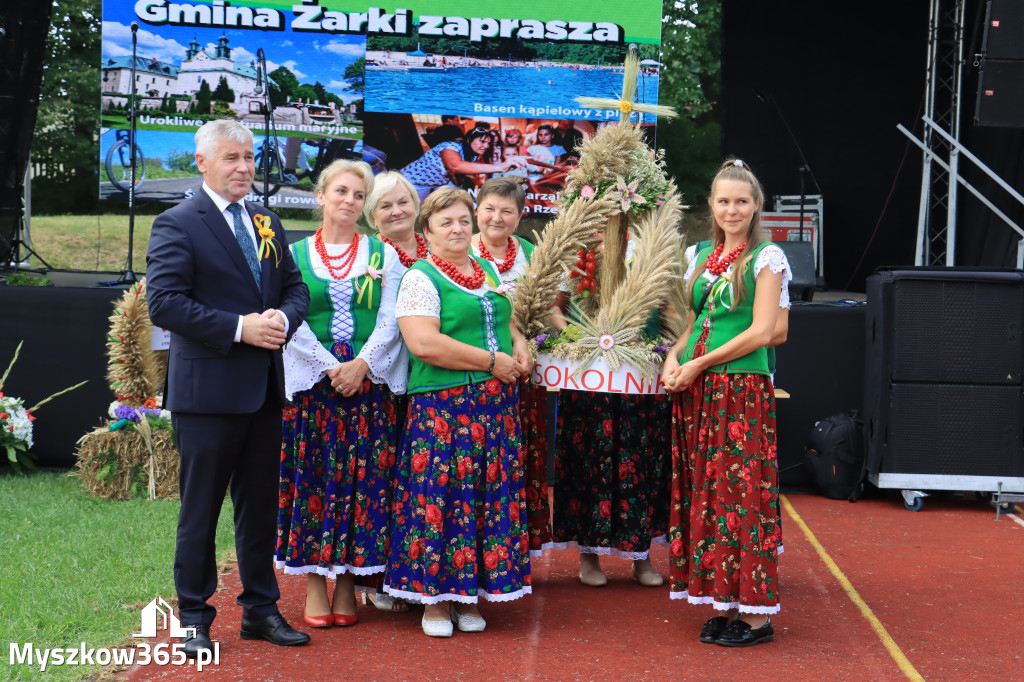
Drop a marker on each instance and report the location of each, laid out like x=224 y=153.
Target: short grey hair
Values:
x=211 y=133
x=384 y=183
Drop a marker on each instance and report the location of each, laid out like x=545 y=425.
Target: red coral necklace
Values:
x=717 y=266
x=407 y=260
x=471 y=282
x=347 y=257
x=510 y=255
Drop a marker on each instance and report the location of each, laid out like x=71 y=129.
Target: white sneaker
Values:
x=468 y=623
x=436 y=628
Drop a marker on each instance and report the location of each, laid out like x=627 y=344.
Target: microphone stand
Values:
x=805 y=169
x=263 y=87
x=128 y=275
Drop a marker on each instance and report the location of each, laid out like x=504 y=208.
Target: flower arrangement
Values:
x=16 y=421
x=268 y=244
x=621 y=187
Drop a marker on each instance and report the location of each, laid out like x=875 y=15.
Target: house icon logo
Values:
x=159 y=610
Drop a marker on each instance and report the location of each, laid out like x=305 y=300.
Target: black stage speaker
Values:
x=821 y=366
x=801 y=262
x=23 y=27
x=1000 y=100
x=1004 y=30
x=943 y=382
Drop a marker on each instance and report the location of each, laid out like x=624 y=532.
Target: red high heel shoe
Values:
x=317 y=621
x=344 y=621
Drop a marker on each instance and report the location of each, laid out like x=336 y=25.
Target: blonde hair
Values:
x=382 y=184
x=734 y=169
x=440 y=199
x=327 y=176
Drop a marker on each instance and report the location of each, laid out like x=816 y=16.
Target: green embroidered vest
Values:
x=526 y=246
x=728 y=319
x=323 y=307
x=465 y=317
x=770 y=351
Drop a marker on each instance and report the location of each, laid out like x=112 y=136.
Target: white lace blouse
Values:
x=306 y=360
x=771 y=256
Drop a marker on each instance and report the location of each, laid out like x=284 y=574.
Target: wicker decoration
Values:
x=552 y=260
x=134 y=370
x=119 y=465
x=627 y=180
x=128 y=457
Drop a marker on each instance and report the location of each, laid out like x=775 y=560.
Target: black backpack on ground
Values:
x=835 y=455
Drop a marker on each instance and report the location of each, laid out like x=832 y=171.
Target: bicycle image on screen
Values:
x=289 y=161
x=118 y=163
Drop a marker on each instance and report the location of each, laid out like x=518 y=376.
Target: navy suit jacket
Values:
x=197 y=284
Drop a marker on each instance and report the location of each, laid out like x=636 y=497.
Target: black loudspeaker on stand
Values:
x=801 y=262
x=944 y=380
x=1000 y=99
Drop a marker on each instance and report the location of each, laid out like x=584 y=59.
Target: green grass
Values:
x=78 y=569
x=100 y=242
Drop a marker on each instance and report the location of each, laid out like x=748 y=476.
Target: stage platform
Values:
x=65 y=332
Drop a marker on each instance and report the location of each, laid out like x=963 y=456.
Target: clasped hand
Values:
x=347 y=378
x=678 y=377
x=264 y=330
x=508 y=368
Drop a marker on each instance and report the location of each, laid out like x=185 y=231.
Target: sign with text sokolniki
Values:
x=599 y=377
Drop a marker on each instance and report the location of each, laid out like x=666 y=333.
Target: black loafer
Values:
x=713 y=629
x=739 y=633
x=197 y=642
x=274 y=629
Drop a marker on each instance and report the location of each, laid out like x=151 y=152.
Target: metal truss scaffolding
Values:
x=936 y=228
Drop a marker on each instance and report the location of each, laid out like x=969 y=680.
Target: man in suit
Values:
x=229 y=307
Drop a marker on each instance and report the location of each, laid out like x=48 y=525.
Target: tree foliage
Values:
x=690 y=81
x=223 y=92
x=203 y=98
x=355 y=75
x=66 y=140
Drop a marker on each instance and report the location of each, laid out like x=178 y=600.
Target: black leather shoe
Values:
x=713 y=629
x=274 y=629
x=193 y=644
x=739 y=633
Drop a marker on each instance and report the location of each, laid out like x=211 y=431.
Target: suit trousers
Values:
x=218 y=450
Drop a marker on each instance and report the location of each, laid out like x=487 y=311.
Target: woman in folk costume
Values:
x=499 y=207
x=343 y=369
x=458 y=525
x=724 y=533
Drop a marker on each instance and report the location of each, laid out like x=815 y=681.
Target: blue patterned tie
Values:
x=242 y=235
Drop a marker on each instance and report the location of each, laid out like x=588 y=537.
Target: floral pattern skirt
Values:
x=533 y=413
x=611 y=472
x=458 y=524
x=337 y=474
x=724 y=534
